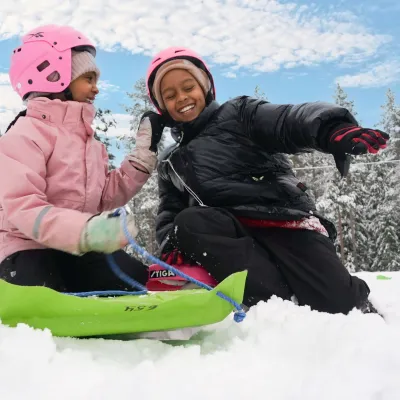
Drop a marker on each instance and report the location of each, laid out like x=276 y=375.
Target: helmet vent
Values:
x=53 y=77
x=43 y=66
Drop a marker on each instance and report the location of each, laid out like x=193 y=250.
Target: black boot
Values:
x=368 y=308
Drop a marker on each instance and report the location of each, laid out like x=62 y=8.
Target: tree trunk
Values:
x=341 y=240
x=353 y=238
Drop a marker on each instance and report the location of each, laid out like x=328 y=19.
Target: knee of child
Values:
x=204 y=220
x=190 y=218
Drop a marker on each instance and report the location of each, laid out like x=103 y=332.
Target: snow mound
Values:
x=280 y=351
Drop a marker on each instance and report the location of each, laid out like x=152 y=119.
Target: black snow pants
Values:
x=281 y=262
x=68 y=273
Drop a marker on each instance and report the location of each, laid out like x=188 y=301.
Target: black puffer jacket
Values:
x=231 y=157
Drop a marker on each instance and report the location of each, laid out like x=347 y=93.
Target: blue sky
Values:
x=295 y=51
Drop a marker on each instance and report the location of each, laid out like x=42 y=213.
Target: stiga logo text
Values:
x=163 y=273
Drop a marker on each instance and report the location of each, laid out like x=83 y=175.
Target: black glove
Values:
x=157 y=127
x=351 y=139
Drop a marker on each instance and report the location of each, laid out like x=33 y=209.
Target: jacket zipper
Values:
x=191 y=192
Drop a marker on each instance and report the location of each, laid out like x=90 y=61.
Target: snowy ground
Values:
x=280 y=351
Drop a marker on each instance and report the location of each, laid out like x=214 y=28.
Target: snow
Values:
x=281 y=351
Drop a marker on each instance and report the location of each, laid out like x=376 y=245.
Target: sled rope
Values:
x=239 y=314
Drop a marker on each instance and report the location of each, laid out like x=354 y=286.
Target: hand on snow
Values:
x=147 y=138
x=356 y=140
x=104 y=233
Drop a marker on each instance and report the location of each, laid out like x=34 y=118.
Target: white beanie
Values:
x=81 y=62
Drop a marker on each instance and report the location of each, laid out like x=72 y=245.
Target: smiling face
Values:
x=182 y=95
x=84 y=88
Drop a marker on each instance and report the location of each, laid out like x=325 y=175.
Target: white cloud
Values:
x=262 y=35
x=4 y=79
x=10 y=102
x=293 y=75
x=229 y=74
x=105 y=87
x=6 y=117
x=377 y=76
x=123 y=127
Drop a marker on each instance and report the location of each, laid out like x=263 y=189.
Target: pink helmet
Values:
x=45 y=50
x=170 y=54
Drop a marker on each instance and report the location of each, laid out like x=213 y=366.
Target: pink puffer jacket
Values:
x=54 y=177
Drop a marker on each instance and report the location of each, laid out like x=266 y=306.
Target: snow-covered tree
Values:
x=383 y=181
x=390 y=121
x=315 y=170
x=342 y=100
x=259 y=94
x=339 y=200
x=144 y=205
x=140 y=104
x=104 y=120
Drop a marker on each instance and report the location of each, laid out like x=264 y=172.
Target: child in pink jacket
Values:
x=55 y=184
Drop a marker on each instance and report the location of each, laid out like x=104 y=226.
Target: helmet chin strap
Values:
x=68 y=94
x=209 y=98
x=169 y=122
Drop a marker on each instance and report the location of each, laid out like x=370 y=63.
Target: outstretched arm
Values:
x=291 y=128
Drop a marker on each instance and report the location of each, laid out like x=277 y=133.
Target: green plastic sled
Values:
x=66 y=315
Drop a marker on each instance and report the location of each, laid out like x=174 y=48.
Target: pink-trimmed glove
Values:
x=147 y=138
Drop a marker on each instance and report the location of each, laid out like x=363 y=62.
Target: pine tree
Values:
x=339 y=201
x=104 y=120
x=140 y=104
x=342 y=100
x=391 y=116
x=315 y=169
x=144 y=205
x=259 y=94
x=383 y=181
